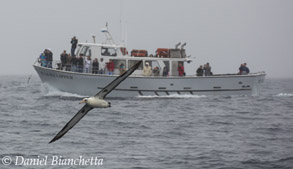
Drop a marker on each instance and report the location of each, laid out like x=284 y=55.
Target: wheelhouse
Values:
x=163 y=57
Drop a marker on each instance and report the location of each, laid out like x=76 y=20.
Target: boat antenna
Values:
x=125 y=34
x=94 y=38
x=176 y=46
x=121 y=36
x=182 y=46
x=109 y=39
x=123 y=27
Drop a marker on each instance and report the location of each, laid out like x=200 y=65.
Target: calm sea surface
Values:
x=241 y=132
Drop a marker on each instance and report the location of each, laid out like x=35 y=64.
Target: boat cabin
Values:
x=164 y=57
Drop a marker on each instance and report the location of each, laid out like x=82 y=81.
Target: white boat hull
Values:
x=90 y=84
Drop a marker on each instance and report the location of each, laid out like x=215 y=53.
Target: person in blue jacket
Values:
x=43 y=59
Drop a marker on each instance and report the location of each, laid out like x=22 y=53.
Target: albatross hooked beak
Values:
x=83 y=101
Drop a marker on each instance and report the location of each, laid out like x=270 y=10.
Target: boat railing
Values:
x=57 y=65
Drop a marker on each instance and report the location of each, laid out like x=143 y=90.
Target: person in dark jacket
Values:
x=95 y=66
x=245 y=69
x=207 y=70
x=49 y=55
x=165 y=71
x=63 y=57
x=199 y=71
x=74 y=43
x=241 y=69
x=80 y=64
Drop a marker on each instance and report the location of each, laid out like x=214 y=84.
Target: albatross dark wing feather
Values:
x=78 y=116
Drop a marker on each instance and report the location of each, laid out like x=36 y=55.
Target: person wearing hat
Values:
x=147 y=70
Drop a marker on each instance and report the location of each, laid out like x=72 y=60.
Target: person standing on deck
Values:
x=80 y=64
x=49 y=55
x=207 y=70
x=147 y=70
x=87 y=64
x=63 y=57
x=43 y=59
x=156 y=71
x=95 y=66
x=241 y=69
x=68 y=62
x=102 y=66
x=74 y=43
x=165 y=71
x=110 y=67
x=199 y=71
x=180 y=69
x=122 y=68
x=245 y=69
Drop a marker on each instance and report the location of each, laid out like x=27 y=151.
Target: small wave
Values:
x=53 y=92
x=175 y=96
x=63 y=94
x=56 y=93
x=285 y=95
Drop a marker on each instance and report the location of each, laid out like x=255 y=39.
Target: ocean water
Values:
x=174 y=132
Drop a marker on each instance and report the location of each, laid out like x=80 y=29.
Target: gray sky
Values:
x=224 y=33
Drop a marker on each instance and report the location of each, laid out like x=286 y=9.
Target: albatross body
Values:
x=96 y=101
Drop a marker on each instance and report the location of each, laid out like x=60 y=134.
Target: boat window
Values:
x=167 y=64
x=133 y=62
x=117 y=63
x=154 y=64
x=89 y=52
x=108 y=51
x=78 y=49
x=84 y=50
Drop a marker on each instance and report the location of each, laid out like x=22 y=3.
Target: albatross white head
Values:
x=96 y=102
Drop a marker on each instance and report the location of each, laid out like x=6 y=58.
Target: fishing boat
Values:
x=86 y=83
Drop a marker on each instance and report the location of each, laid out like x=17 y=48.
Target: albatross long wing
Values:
x=106 y=90
x=79 y=115
x=102 y=94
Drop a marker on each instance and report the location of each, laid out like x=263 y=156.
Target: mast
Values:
x=109 y=39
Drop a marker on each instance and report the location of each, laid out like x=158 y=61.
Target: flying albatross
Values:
x=96 y=101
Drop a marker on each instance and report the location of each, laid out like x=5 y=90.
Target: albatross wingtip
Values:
x=53 y=140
